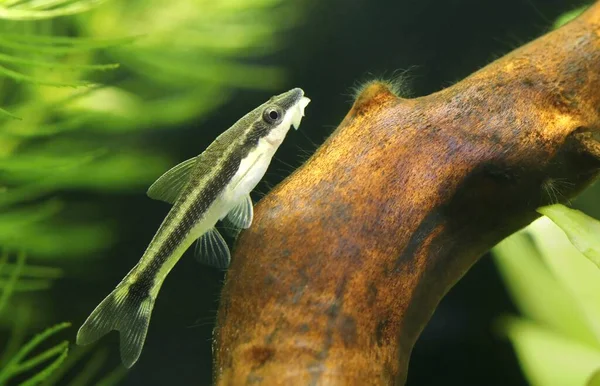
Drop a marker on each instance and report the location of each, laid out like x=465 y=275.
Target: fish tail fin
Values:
x=126 y=310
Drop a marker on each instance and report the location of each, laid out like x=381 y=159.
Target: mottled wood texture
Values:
x=348 y=257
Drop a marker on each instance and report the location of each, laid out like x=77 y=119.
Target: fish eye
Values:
x=272 y=114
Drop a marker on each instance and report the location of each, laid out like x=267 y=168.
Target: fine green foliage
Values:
x=189 y=58
x=29 y=362
x=32 y=57
x=17 y=361
x=557 y=289
x=78 y=93
x=19 y=364
x=82 y=82
x=37 y=155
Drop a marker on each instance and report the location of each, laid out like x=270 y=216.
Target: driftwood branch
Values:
x=348 y=258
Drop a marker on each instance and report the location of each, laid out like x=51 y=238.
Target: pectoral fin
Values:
x=211 y=249
x=168 y=187
x=241 y=215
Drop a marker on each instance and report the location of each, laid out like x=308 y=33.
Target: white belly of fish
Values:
x=252 y=169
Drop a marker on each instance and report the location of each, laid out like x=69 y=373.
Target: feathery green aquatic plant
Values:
x=27 y=362
x=81 y=82
x=78 y=92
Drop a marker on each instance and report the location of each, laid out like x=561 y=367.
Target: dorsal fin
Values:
x=168 y=187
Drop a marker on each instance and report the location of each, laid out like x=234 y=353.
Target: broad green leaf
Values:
x=576 y=274
x=549 y=358
x=582 y=230
x=536 y=292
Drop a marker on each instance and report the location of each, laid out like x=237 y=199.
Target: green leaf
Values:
x=550 y=358
x=576 y=274
x=536 y=292
x=582 y=230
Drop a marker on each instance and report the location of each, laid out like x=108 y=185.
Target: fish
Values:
x=203 y=190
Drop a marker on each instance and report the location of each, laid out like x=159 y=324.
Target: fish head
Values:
x=282 y=112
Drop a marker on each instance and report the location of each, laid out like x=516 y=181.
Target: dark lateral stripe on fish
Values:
x=141 y=287
x=145 y=281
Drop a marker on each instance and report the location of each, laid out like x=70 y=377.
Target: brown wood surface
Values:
x=347 y=259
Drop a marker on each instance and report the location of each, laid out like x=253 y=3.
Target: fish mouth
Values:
x=299 y=111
